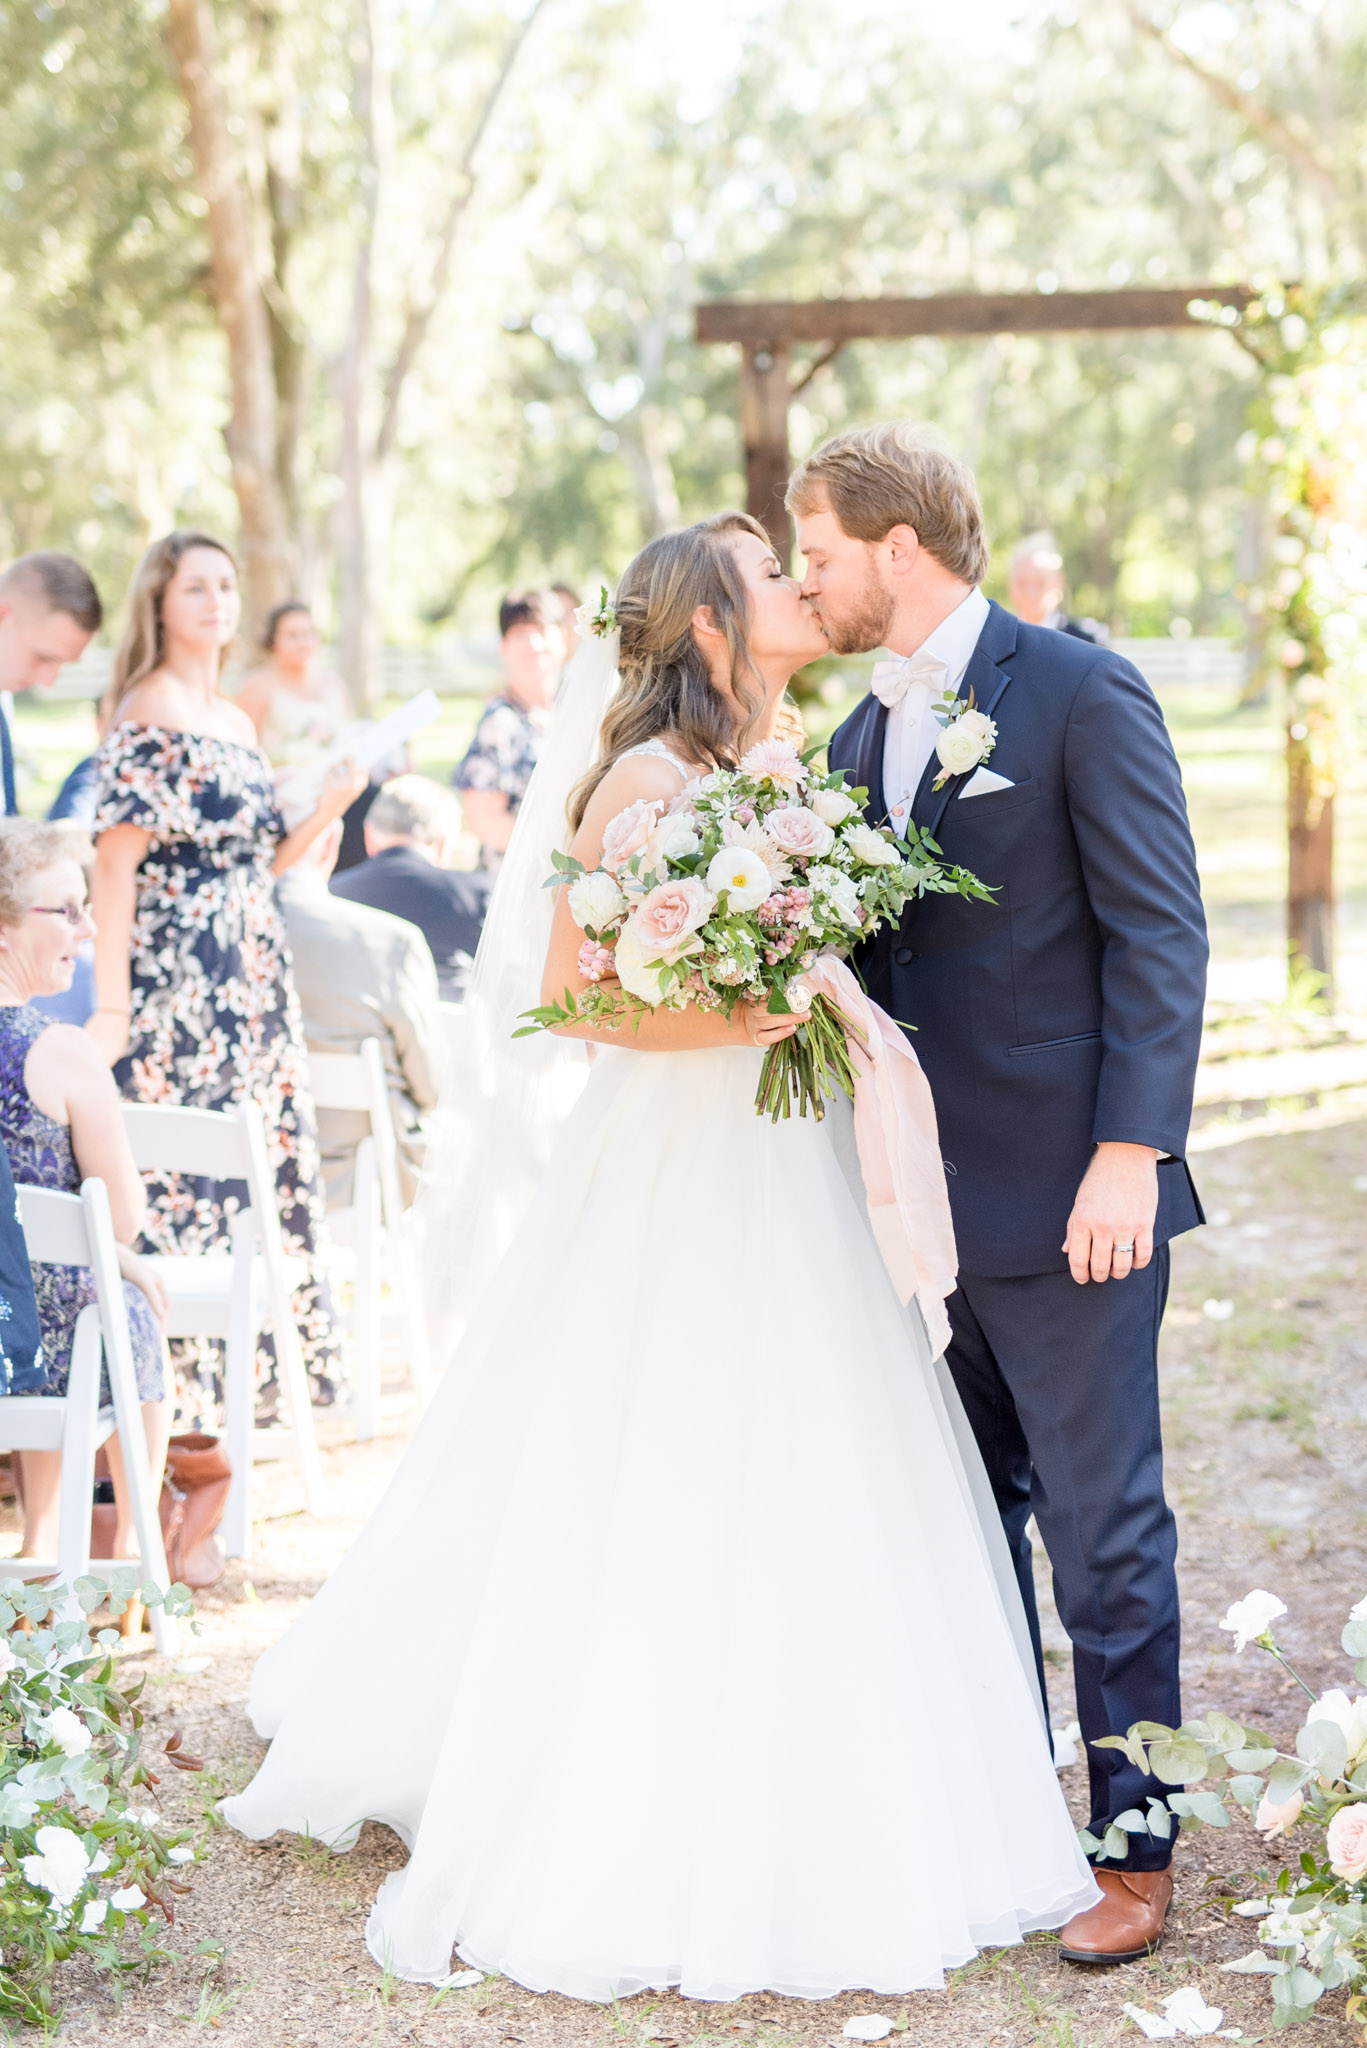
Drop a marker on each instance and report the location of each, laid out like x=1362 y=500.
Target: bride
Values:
x=698 y=1665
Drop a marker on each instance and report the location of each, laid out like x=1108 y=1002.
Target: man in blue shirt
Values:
x=49 y=609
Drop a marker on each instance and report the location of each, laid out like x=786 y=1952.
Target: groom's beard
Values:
x=865 y=626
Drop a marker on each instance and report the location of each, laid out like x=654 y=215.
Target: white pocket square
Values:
x=983 y=781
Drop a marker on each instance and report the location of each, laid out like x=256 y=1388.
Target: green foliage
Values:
x=82 y=1865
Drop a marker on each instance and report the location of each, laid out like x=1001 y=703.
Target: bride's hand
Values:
x=763 y=1029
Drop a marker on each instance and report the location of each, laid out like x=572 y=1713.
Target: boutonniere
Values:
x=967 y=739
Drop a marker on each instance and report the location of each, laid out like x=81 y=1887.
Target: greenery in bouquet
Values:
x=729 y=895
x=85 y=1858
x=1313 y=1925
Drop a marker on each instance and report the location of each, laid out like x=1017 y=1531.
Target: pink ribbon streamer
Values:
x=899 y=1151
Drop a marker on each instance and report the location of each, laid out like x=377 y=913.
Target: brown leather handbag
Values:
x=194 y=1493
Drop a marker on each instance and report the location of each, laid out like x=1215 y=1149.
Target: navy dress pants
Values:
x=1060 y=1384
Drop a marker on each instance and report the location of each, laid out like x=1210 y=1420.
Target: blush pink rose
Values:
x=796 y=830
x=667 y=917
x=1278 y=1820
x=1346 y=1842
x=629 y=832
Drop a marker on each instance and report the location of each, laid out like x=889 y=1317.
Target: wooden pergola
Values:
x=767 y=331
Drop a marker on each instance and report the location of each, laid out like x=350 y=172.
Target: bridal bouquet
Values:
x=728 y=894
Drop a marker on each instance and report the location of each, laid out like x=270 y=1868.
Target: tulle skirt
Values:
x=675 y=1652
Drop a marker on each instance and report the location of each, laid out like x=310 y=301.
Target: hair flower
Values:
x=599 y=619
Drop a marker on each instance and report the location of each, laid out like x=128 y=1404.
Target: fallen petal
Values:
x=1151 y=2024
x=867 y=2026
x=461 y=1980
x=1189 y=2012
x=1255 y=1964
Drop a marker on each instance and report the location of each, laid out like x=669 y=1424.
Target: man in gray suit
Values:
x=363 y=974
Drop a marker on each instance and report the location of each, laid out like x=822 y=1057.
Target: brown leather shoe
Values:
x=1126 y=1924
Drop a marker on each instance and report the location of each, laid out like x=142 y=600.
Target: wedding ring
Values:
x=1124 y=1248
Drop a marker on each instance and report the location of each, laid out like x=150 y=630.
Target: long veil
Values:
x=504 y=1099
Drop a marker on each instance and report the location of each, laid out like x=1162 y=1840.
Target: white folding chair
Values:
x=76 y=1230
x=235 y=1295
x=373 y=1227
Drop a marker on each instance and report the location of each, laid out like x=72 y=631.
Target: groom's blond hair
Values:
x=900 y=474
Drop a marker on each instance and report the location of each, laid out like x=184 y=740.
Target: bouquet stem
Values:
x=809 y=1066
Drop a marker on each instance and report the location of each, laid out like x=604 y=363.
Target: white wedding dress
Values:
x=683 y=1649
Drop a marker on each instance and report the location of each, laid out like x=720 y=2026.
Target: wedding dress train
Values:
x=674 y=1652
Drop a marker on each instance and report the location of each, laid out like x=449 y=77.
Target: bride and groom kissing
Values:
x=711 y=1652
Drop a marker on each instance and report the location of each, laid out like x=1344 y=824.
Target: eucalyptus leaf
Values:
x=1303 y=1985
x=1322 y=1744
x=1179 y=1761
x=1117 y=1842
x=1285 y=1778
x=1224 y=1732
x=1160 y=1820
x=1210 y=1808
x=1133 y=1821
x=1247 y=1790
x=1354 y=1638
x=1258 y=1759
x=1089 y=1843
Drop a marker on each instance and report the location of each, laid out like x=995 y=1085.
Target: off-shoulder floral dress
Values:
x=215 y=1016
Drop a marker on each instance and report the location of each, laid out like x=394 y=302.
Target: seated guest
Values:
x=408 y=829
x=1035 y=589
x=49 y=608
x=361 y=973
x=494 y=775
x=60 y=1121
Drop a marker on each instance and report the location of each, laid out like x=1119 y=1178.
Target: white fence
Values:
x=1167 y=663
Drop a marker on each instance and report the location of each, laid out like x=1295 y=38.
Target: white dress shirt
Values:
x=912 y=728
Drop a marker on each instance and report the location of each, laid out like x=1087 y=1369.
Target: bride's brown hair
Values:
x=667 y=690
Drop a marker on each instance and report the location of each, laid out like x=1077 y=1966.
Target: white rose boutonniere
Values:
x=968 y=738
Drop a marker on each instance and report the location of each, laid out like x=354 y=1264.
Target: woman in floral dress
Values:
x=196 y=1002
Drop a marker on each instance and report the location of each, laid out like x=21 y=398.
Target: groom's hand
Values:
x=1114 y=1210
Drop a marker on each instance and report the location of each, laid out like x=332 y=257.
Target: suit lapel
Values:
x=868 y=757
x=985 y=679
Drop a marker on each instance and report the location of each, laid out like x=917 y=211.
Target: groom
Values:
x=1059 y=1030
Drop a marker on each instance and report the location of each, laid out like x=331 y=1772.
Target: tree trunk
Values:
x=239 y=302
x=1310 y=878
x=358 y=630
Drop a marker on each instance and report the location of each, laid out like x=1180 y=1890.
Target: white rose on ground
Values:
x=128 y=1898
x=959 y=750
x=1349 y=1715
x=59 y=1866
x=595 y=900
x=183 y=1854
x=832 y=806
x=67 y=1730
x=837 y=890
x=92 y=1919
x=871 y=847
x=638 y=974
x=1251 y=1617
x=743 y=876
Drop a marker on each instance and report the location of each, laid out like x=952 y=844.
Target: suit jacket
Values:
x=1069 y=1011
x=446 y=904
x=361 y=974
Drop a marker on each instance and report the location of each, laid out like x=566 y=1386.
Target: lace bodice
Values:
x=660 y=752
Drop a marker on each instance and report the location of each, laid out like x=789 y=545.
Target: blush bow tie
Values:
x=892 y=679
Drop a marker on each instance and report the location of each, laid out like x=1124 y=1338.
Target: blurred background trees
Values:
x=401 y=297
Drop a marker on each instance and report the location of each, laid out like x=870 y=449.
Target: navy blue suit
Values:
x=1065 y=1014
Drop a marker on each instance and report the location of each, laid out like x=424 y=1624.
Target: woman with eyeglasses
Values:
x=60 y=1123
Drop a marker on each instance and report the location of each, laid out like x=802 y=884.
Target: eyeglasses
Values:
x=76 y=914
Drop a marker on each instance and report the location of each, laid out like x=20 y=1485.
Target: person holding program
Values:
x=1060 y=1033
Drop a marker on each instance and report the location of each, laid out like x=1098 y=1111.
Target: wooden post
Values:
x=1310 y=873
x=764 y=428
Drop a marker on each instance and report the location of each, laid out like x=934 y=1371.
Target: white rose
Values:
x=128 y=1898
x=183 y=1854
x=978 y=723
x=838 y=891
x=1251 y=1617
x=832 y=806
x=92 y=1919
x=742 y=874
x=641 y=977
x=681 y=841
x=67 y=1730
x=1349 y=1715
x=60 y=1865
x=959 y=749
x=870 y=847
x=595 y=900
